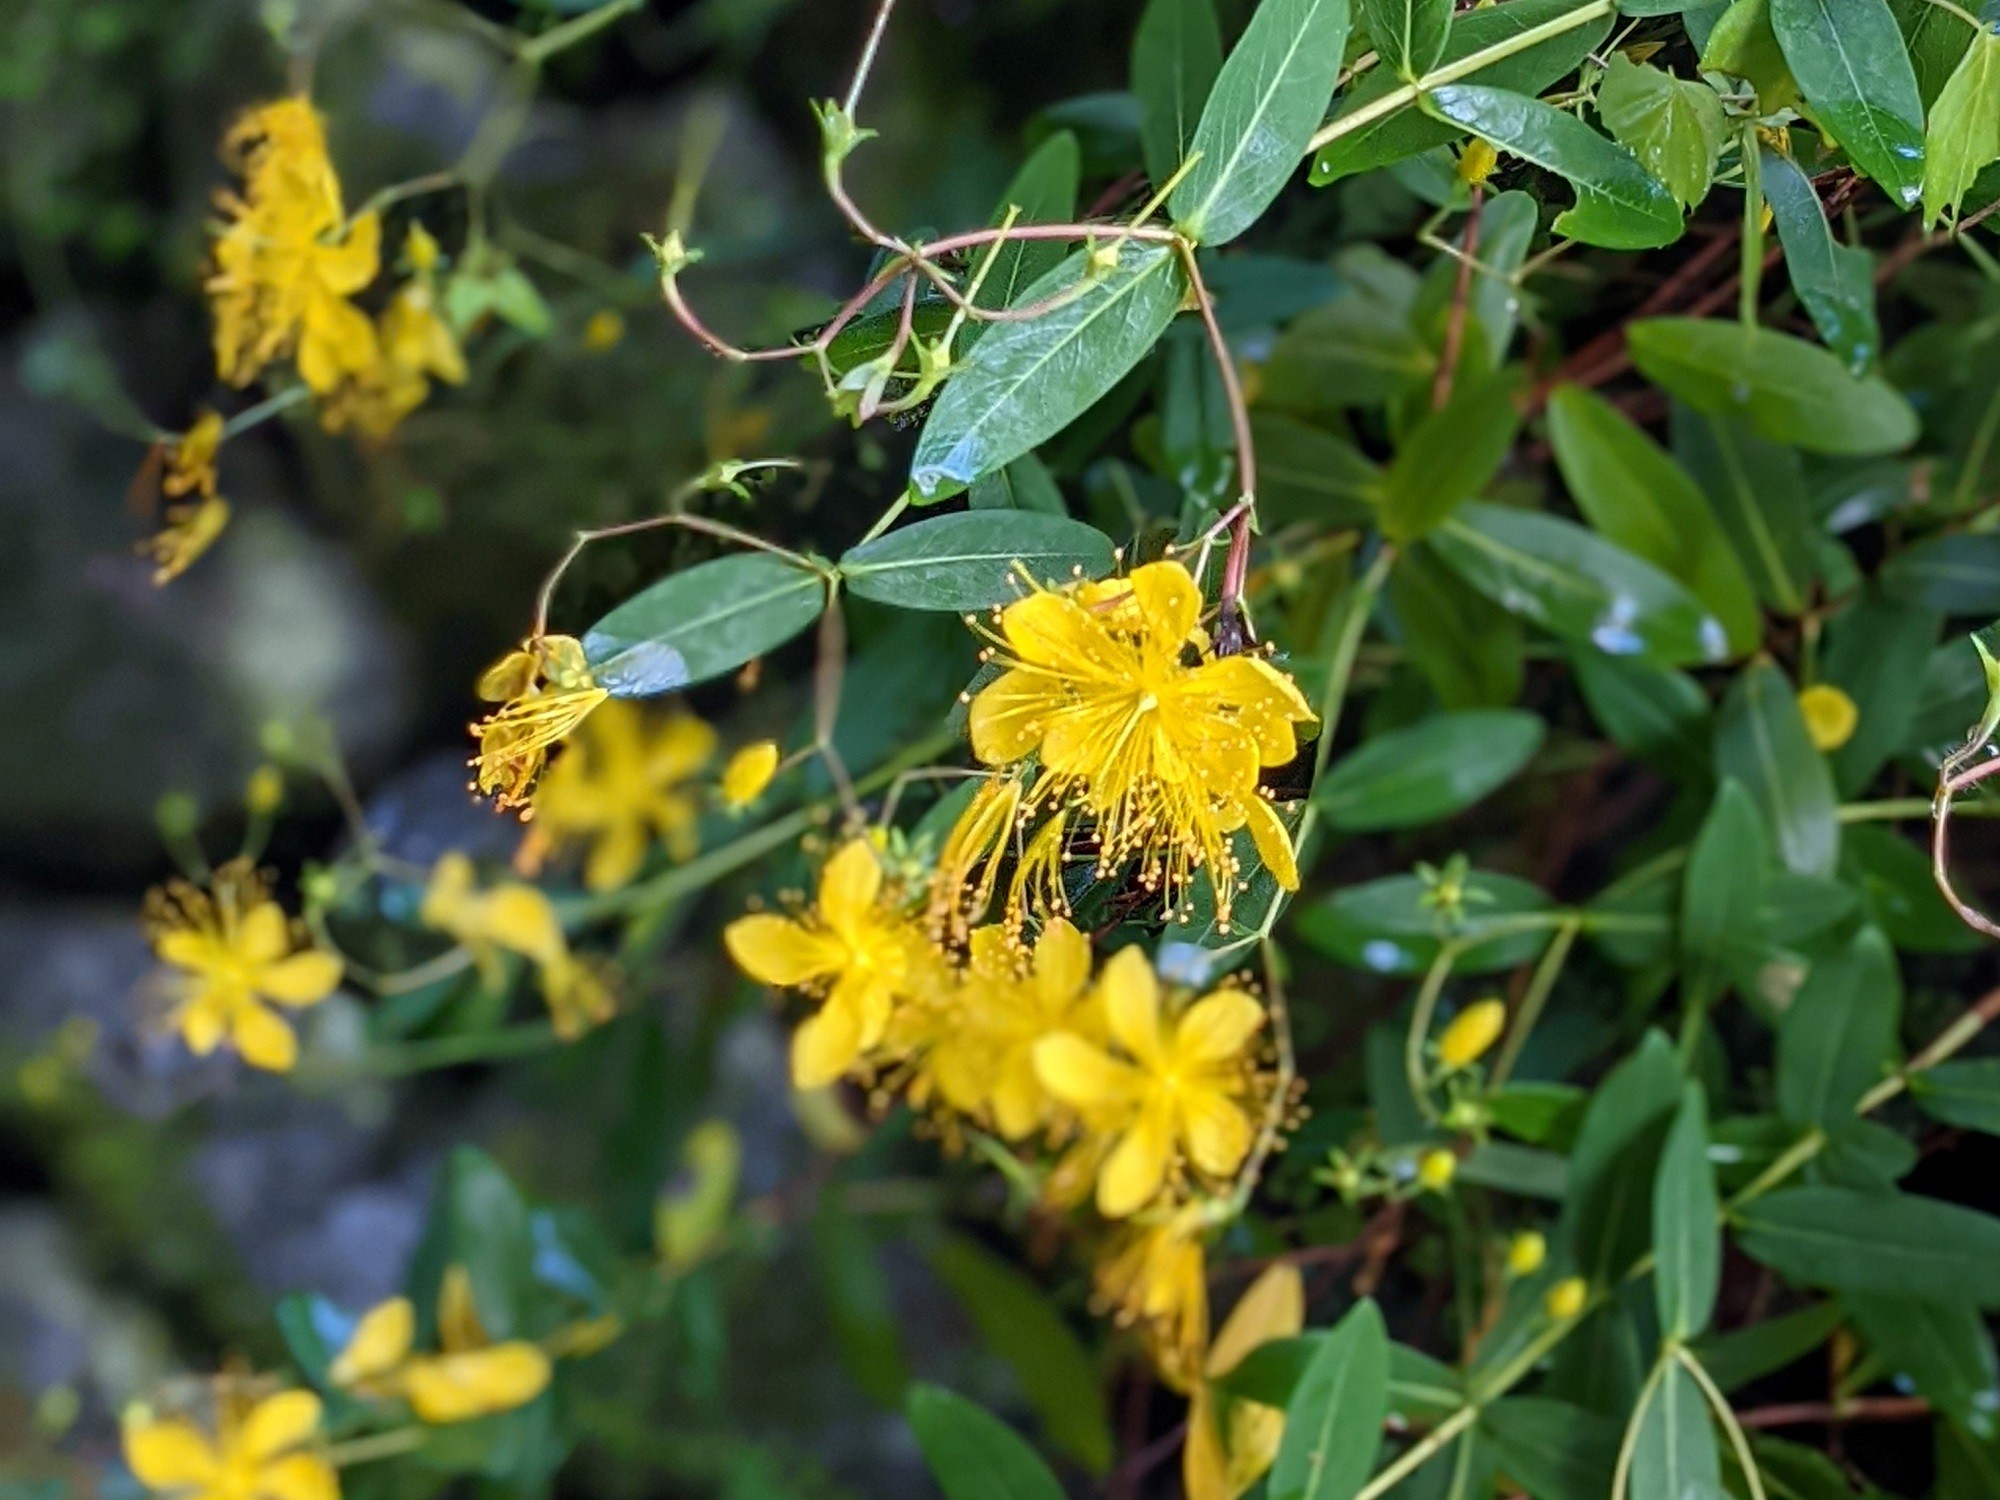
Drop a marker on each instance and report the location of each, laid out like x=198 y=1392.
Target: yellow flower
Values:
x=413 y=344
x=545 y=692
x=689 y=1223
x=233 y=957
x=190 y=530
x=1436 y=1169
x=191 y=458
x=1830 y=716
x=470 y=1377
x=748 y=773
x=1231 y=1442
x=510 y=917
x=604 y=330
x=261 y=1451
x=855 y=944
x=1476 y=162
x=1140 y=729
x=626 y=779
x=1176 y=1096
x=1566 y=1298
x=1471 y=1032
x=287 y=260
x=1152 y=1276
x=1526 y=1252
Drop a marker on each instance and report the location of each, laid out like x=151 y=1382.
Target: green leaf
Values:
x=1659 y=715
x=1838 y=1038
x=1850 y=62
x=1025 y=484
x=1406 y=131
x=972 y=1454
x=1054 y=1370
x=1875 y=651
x=1639 y=498
x=702 y=622
x=1358 y=350
x=1044 y=192
x=1687 y=1228
x=1893 y=877
x=1761 y=740
x=1891 y=1243
x=1674 y=1456
x=1792 y=391
x=1436 y=767
x=1964 y=136
x=1578 y=586
x=1954 y=574
x=1449 y=456
x=1272 y=93
x=1619 y=204
x=975 y=559
x=1742 y=43
x=478 y=1220
x=1304 y=474
x=1333 y=1423
x=1608 y=1218
x=1834 y=282
x=1758 y=490
x=1675 y=126
x=1722 y=896
x=1964 y=1092
x=1942 y=1348
x=1551 y=1449
x=1387 y=925
x=1469 y=649
x=1736 y=1358
x=858 y=1302
x=1024 y=382
x=1421 y=1389
x=1176 y=54
x=1409 y=35
x=1507 y=227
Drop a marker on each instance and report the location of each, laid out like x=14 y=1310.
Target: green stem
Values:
x=1420 y=1026
x=1546 y=973
x=263 y=411
x=379 y=1445
x=538 y=50
x=1719 y=1404
x=1896 y=809
x=1752 y=273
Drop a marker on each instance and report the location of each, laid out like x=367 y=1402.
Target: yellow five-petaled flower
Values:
x=545 y=692
x=261 y=1450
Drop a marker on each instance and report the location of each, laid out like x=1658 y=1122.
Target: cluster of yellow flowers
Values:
x=471 y=1375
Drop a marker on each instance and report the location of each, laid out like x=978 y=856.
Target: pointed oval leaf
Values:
x=1835 y=282
x=972 y=1454
x=1674 y=1456
x=1409 y=35
x=1450 y=455
x=1042 y=192
x=975 y=559
x=1758 y=491
x=1675 y=126
x=1176 y=53
x=1761 y=740
x=701 y=623
x=1838 y=1037
x=1389 y=927
x=1964 y=136
x=1722 y=897
x=1428 y=771
x=1852 y=65
x=1687 y=1224
x=1892 y=1243
x=1333 y=1423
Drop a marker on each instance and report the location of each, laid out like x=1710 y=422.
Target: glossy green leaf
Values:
x=1449 y=456
x=1305 y=474
x=1742 y=1355
x=1954 y=574
x=1674 y=1456
x=1608 y=1218
x=1964 y=136
x=1791 y=391
x=1017 y=1322
x=1421 y=1389
x=1272 y=93
x=1656 y=713
x=1941 y=1347
x=1470 y=650
x=1838 y=1037
x=1333 y=1423
x=1742 y=43
x=1687 y=1232
x=1850 y=62
x=1025 y=484
x=1619 y=204
x=1406 y=131
x=1024 y=382
x=1758 y=492
x=1761 y=740
x=1389 y=926
x=975 y=559
x=1834 y=282
x=972 y=1454
x=702 y=622
x=1552 y=1449
x=1892 y=1243
x=1577 y=585
x=1176 y=53
x=1722 y=896
x=1964 y=1091
x=1409 y=35
x=1875 y=651
x=1639 y=498
x=1042 y=192
x=1675 y=126
x=1434 y=768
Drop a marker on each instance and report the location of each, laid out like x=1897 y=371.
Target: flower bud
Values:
x=1435 y=1170
x=1472 y=1032
x=1566 y=1298
x=1526 y=1252
x=748 y=773
x=1830 y=716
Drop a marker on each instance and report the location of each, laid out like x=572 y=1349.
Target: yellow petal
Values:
x=300 y=1476
x=1062 y=962
x=776 y=950
x=825 y=1047
x=616 y=855
x=1218 y=1132
x=520 y=919
x=1273 y=1308
x=263 y=936
x=1830 y=716
x=1217 y=1028
x=302 y=979
x=849 y=885
x=1273 y=842
x=456 y=1387
x=203 y=1021
x=379 y=1343
x=1168 y=599
x=1137 y=1167
x=459 y=1328
x=1079 y=1073
x=168 y=1454
x=351 y=265
x=1008 y=715
x=1131 y=998
x=263 y=1038
x=1204 y=1468
x=749 y=771
x=279 y=1423
x=1049 y=630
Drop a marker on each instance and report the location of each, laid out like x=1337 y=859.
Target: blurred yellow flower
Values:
x=1231 y=1442
x=545 y=691
x=1471 y=1032
x=232 y=957
x=856 y=945
x=1136 y=726
x=748 y=773
x=191 y=458
x=605 y=330
x=1153 y=1276
x=1830 y=716
x=261 y=1450
x=1526 y=1252
x=471 y=1376
x=1436 y=1169
x=190 y=530
x=510 y=917
x=689 y=1222
x=1476 y=162
x=1177 y=1094
x=1567 y=1298
x=627 y=778
x=414 y=346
